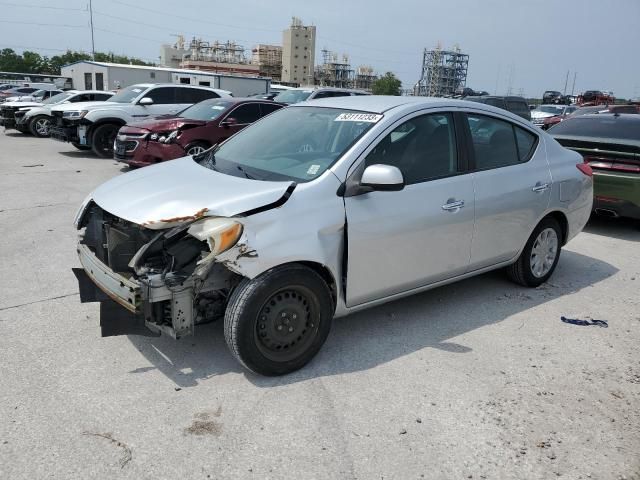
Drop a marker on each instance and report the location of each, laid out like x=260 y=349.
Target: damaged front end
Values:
x=163 y=273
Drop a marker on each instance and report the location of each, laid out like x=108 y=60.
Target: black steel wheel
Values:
x=277 y=322
x=103 y=138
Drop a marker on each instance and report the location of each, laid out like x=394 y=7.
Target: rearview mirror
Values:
x=229 y=122
x=382 y=177
x=146 y=101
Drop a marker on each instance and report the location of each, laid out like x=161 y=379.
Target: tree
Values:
x=389 y=84
x=32 y=62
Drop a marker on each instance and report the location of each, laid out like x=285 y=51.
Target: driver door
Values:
x=402 y=240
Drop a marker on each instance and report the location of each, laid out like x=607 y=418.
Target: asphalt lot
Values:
x=480 y=379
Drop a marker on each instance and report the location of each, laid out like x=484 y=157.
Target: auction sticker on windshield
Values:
x=358 y=117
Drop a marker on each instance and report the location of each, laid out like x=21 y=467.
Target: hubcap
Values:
x=42 y=126
x=544 y=252
x=195 y=150
x=287 y=324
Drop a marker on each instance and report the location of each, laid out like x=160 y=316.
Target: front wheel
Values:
x=277 y=322
x=196 y=148
x=102 y=140
x=39 y=125
x=540 y=256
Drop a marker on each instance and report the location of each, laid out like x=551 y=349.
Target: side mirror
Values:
x=382 y=177
x=229 y=122
x=146 y=101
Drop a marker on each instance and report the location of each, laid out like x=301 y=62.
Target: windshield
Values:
x=297 y=143
x=61 y=97
x=292 y=96
x=128 y=95
x=550 y=109
x=602 y=126
x=207 y=110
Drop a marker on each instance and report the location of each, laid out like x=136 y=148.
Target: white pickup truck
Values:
x=95 y=125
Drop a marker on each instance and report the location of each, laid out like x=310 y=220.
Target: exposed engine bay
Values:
x=167 y=277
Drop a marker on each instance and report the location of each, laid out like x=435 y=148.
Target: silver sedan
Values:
x=323 y=209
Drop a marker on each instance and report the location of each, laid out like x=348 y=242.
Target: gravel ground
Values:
x=478 y=379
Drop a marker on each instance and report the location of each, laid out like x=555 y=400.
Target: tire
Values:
x=39 y=126
x=81 y=147
x=196 y=148
x=102 y=139
x=265 y=314
x=525 y=270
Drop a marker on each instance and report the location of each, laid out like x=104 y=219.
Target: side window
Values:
x=339 y=94
x=494 y=142
x=526 y=143
x=321 y=95
x=247 y=113
x=80 y=98
x=496 y=102
x=102 y=97
x=423 y=148
x=163 y=95
x=267 y=108
x=195 y=95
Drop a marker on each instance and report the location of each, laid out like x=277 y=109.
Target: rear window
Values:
x=602 y=125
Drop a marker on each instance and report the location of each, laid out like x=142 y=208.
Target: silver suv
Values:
x=302 y=94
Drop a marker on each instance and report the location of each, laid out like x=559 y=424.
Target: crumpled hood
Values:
x=166 y=124
x=21 y=104
x=82 y=106
x=179 y=191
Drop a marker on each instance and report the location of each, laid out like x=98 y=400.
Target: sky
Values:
x=521 y=46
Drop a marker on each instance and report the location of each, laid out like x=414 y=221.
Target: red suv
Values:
x=194 y=130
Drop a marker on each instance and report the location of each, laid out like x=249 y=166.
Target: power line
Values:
x=43 y=24
x=41 y=6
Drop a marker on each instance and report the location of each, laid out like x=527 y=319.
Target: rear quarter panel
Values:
x=571 y=190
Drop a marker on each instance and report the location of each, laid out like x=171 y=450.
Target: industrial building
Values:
x=336 y=71
x=268 y=58
x=443 y=72
x=90 y=75
x=217 y=57
x=298 y=53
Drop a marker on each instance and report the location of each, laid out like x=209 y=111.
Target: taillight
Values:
x=585 y=168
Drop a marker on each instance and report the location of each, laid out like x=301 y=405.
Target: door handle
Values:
x=453 y=205
x=540 y=187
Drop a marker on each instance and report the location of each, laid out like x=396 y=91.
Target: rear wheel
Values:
x=277 y=322
x=103 y=138
x=540 y=256
x=196 y=148
x=39 y=125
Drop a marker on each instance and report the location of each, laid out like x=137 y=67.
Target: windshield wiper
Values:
x=250 y=177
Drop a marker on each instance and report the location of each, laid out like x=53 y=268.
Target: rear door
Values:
x=402 y=240
x=165 y=101
x=186 y=97
x=512 y=185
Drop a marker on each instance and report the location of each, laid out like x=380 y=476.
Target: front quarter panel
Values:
x=309 y=227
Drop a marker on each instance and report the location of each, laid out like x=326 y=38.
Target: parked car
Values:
x=37 y=96
x=610 y=145
x=9 y=109
x=265 y=96
x=37 y=119
x=95 y=125
x=553 y=97
x=301 y=94
x=191 y=132
x=16 y=92
x=546 y=116
x=517 y=105
x=322 y=209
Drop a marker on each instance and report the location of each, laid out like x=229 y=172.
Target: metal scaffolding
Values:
x=443 y=72
x=334 y=72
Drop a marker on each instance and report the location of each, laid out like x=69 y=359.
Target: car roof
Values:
x=384 y=103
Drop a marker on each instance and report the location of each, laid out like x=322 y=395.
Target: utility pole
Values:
x=566 y=80
x=93 y=46
x=574 y=82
